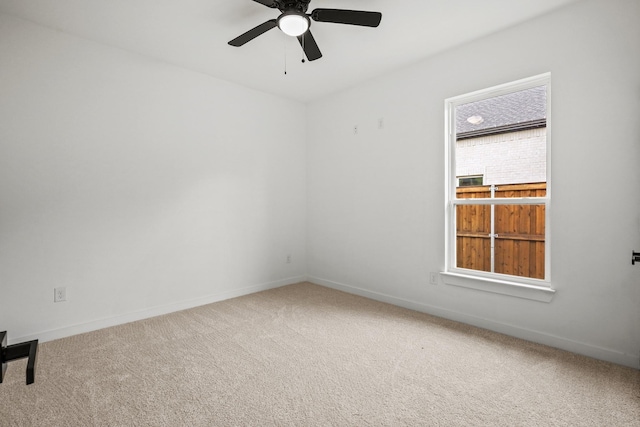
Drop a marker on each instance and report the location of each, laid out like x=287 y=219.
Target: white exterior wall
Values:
x=506 y=158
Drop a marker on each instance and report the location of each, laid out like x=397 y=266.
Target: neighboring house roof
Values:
x=505 y=113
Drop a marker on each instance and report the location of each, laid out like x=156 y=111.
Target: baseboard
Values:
x=94 y=325
x=503 y=328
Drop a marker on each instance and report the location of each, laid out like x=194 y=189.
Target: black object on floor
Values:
x=9 y=353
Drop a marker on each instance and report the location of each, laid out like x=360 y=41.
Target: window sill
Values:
x=504 y=287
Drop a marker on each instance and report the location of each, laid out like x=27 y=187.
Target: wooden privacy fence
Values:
x=519 y=231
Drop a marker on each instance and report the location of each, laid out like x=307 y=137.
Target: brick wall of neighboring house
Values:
x=507 y=158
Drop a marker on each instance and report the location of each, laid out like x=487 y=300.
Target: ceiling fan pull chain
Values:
x=285 y=56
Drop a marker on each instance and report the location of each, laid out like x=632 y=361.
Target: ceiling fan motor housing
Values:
x=299 y=6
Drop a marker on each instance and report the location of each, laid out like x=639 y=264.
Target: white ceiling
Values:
x=194 y=33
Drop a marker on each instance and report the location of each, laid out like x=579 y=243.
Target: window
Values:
x=469 y=181
x=498 y=189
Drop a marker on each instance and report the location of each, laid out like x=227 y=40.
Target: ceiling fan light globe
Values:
x=293 y=24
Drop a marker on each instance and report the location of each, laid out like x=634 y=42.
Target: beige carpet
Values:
x=304 y=355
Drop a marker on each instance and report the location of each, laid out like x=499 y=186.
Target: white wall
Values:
x=376 y=198
x=141 y=187
x=145 y=188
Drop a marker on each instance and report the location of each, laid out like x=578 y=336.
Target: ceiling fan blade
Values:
x=268 y=3
x=351 y=17
x=310 y=46
x=253 y=33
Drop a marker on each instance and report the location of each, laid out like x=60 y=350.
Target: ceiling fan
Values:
x=294 y=21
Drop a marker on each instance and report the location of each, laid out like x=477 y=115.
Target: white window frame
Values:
x=517 y=286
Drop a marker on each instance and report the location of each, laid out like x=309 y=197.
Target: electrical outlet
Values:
x=433 y=278
x=289 y=259
x=59 y=294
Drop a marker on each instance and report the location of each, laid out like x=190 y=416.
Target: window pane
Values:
x=503 y=138
x=518 y=239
